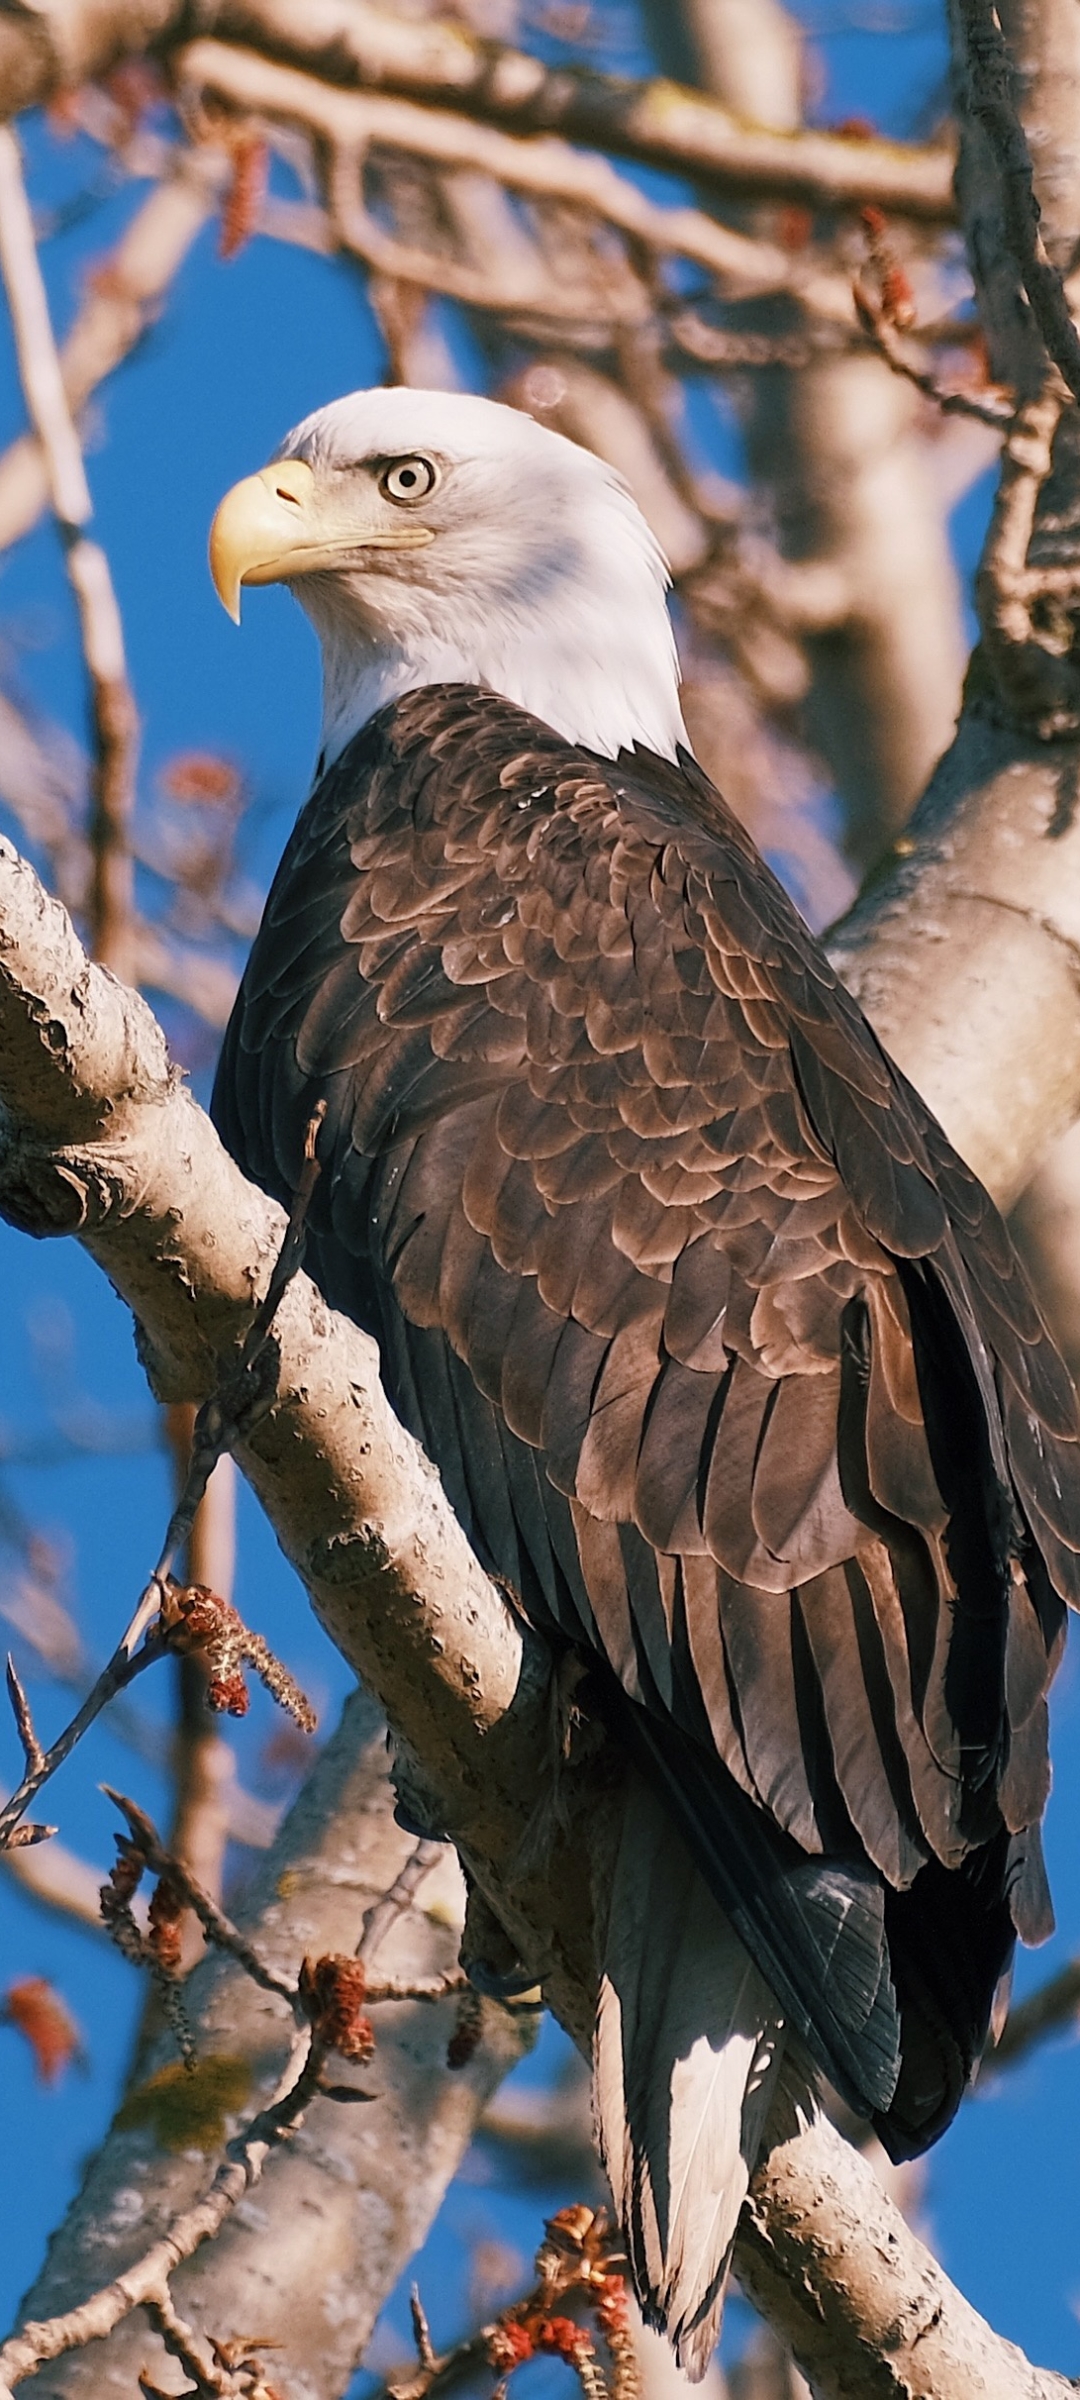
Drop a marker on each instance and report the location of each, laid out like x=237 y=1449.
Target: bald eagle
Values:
x=728 y=1365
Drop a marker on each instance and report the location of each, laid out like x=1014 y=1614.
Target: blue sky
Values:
x=243 y=352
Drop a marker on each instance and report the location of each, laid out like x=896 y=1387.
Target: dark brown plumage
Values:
x=725 y=1357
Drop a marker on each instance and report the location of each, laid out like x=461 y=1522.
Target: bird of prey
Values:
x=725 y=1357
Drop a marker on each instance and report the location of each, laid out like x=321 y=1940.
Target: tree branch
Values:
x=867 y=2310
x=123 y=298
x=60 y=44
x=1052 y=2006
x=337 y=2216
x=112 y=706
x=544 y=166
x=990 y=99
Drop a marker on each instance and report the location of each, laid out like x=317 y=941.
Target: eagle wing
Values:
x=726 y=1359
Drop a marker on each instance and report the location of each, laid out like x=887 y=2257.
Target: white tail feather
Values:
x=688 y=2043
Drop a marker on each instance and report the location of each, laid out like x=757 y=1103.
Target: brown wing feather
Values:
x=738 y=1371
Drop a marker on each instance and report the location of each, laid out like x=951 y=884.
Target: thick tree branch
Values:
x=968 y=947
x=965 y=954
x=338 y=2214
x=990 y=99
x=58 y=44
x=831 y=2264
x=100 y=1140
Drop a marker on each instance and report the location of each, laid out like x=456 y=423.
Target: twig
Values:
x=327 y=2000
x=218 y=1928
x=230 y=2370
x=112 y=706
x=210 y=2381
x=421 y=2329
x=145 y=1848
x=888 y=343
x=162 y=1621
x=425 y=1987
x=657 y=122
x=399 y=1899
x=991 y=100
x=738 y=346
x=138 y=1648
x=32 y=1750
x=203 y=1764
x=580 y=2257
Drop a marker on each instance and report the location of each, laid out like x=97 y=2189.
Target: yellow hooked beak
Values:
x=278 y=524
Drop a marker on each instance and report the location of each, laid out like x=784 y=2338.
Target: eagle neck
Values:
x=624 y=690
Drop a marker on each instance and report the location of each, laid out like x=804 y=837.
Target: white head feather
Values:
x=542 y=581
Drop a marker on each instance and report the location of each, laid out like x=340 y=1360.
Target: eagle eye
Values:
x=408 y=479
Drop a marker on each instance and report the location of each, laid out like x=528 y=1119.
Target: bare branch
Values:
x=63 y=43
x=112 y=706
x=1034 y=669
x=138 y=1649
x=991 y=101
x=24 y=1723
x=543 y=166
x=217 y=1927
x=1054 y=2005
x=202 y=2361
x=890 y=346
x=203 y=1762
x=421 y=2330
x=436 y=1988
x=176 y=1617
x=835 y=450
x=579 y=2258
x=813 y=2242
x=145 y=2283
x=399 y=1899
x=123 y=298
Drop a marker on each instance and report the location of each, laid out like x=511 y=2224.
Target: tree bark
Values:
x=967 y=949
x=341 y=2209
x=56 y=45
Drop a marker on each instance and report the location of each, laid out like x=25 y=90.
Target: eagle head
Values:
x=435 y=537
